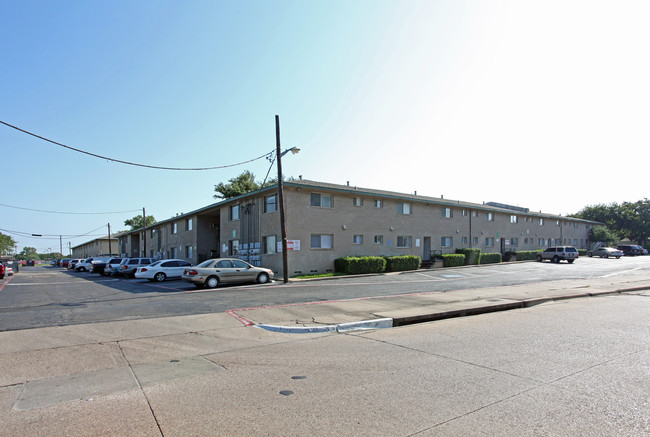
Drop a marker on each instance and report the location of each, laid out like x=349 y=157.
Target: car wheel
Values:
x=589 y=254
x=262 y=278
x=617 y=257
x=570 y=261
x=539 y=258
x=212 y=282
x=159 y=277
x=556 y=259
x=606 y=255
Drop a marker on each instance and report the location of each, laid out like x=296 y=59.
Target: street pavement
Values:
x=568 y=357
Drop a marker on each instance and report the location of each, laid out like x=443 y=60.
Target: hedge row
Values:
x=453 y=259
x=355 y=265
x=490 y=258
x=472 y=256
x=526 y=255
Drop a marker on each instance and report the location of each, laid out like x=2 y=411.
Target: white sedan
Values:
x=163 y=269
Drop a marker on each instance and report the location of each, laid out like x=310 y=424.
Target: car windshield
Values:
x=156 y=263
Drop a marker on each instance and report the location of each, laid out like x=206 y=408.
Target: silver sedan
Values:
x=606 y=252
x=212 y=272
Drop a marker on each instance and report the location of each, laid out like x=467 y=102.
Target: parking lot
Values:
x=48 y=296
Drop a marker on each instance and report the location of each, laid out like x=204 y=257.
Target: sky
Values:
x=542 y=105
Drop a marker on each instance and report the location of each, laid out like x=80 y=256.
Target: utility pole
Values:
x=110 y=251
x=283 y=229
x=144 y=232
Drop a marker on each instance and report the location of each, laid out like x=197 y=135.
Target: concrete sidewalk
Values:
x=97 y=379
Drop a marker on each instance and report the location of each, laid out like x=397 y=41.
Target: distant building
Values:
x=326 y=221
x=97 y=247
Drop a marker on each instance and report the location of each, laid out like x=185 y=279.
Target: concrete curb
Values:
x=392 y=322
x=341 y=327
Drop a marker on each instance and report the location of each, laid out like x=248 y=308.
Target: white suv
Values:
x=558 y=253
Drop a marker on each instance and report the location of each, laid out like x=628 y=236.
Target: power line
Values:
x=52 y=236
x=133 y=163
x=63 y=212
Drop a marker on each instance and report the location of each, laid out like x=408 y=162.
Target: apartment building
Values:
x=326 y=221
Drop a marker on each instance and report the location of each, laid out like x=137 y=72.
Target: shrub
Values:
x=471 y=255
x=526 y=255
x=581 y=252
x=402 y=263
x=453 y=259
x=490 y=258
x=355 y=265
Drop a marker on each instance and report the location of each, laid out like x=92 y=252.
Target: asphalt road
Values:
x=46 y=296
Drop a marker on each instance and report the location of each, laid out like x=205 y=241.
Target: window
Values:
x=188 y=252
x=464 y=240
x=379 y=203
x=321 y=200
x=173 y=252
x=514 y=241
x=357 y=239
x=474 y=213
x=269 y=244
x=446 y=213
x=153 y=233
x=188 y=224
x=490 y=217
x=174 y=228
x=271 y=203
x=489 y=242
x=379 y=239
x=446 y=241
x=404 y=208
x=357 y=201
x=513 y=219
x=474 y=241
x=234 y=212
x=322 y=241
x=541 y=222
x=464 y=212
x=540 y=242
x=404 y=241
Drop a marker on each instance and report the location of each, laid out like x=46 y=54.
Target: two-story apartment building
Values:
x=326 y=221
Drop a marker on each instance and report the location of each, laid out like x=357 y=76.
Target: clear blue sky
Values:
x=519 y=102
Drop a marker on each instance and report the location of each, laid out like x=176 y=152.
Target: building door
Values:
x=426 y=256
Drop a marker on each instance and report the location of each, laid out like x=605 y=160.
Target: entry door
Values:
x=426 y=256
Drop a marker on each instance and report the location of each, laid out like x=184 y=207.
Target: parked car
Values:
x=98 y=264
x=212 y=272
x=631 y=250
x=3 y=271
x=558 y=253
x=111 y=266
x=64 y=262
x=161 y=270
x=72 y=264
x=84 y=265
x=128 y=266
x=606 y=252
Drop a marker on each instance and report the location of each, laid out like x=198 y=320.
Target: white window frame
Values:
x=404 y=208
x=406 y=243
x=379 y=203
x=321 y=198
x=378 y=239
x=233 y=212
x=270 y=203
x=325 y=241
x=447 y=212
x=446 y=242
x=357 y=239
x=357 y=201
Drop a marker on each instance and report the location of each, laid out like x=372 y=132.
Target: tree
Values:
x=7 y=244
x=136 y=222
x=628 y=220
x=29 y=253
x=240 y=185
x=603 y=234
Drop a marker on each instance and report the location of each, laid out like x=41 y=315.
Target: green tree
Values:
x=603 y=235
x=627 y=220
x=136 y=222
x=29 y=253
x=7 y=244
x=240 y=185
